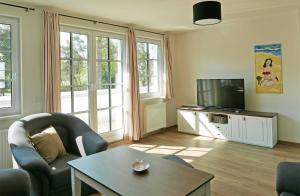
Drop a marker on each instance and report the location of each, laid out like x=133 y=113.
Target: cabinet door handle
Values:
x=229 y=117
x=244 y=118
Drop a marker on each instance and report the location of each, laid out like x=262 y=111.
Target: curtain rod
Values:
x=18 y=6
x=106 y=23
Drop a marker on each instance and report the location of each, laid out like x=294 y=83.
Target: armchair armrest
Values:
x=30 y=160
x=288 y=178
x=93 y=143
x=8 y=185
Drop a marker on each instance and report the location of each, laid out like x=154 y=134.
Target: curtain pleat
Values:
x=51 y=62
x=168 y=94
x=133 y=129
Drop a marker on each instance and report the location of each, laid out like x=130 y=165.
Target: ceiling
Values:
x=163 y=15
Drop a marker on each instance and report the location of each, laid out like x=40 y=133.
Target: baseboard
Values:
x=116 y=142
x=288 y=143
x=159 y=131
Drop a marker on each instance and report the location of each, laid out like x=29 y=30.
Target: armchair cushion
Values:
x=60 y=171
x=288 y=178
x=48 y=144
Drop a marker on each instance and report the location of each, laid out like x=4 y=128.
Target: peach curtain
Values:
x=134 y=127
x=168 y=94
x=51 y=61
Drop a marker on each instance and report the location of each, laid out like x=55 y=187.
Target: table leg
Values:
x=204 y=190
x=76 y=183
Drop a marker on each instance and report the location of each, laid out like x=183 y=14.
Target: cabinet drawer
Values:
x=219 y=130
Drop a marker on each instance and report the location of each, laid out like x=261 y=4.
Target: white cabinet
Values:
x=219 y=130
x=202 y=124
x=186 y=120
x=256 y=130
x=235 y=128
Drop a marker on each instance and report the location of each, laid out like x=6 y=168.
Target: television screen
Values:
x=221 y=93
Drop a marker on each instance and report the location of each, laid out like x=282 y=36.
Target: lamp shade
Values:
x=207 y=13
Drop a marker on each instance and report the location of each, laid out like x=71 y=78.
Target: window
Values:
x=74 y=74
x=92 y=78
x=10 y=102
x=150 y=68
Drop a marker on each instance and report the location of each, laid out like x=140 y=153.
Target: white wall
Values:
x=31 y=61
x=227 y=51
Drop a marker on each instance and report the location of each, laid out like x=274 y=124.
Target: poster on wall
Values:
x=268 y=70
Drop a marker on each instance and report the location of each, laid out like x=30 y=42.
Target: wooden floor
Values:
x=239 y=169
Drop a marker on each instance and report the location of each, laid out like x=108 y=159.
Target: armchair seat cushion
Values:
x=287 y=194
x=60 y=175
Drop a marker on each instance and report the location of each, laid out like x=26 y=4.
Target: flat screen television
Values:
x=221 y=93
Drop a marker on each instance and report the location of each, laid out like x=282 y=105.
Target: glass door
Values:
x=109 y=84
x=92 y=79
x=74 y=60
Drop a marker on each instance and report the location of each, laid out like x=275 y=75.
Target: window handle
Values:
x=14 y=76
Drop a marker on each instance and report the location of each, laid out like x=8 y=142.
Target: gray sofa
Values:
x=288 y=179
x=14 y=182
x=55 y=178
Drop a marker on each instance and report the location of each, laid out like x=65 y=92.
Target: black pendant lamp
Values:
x=207 y=13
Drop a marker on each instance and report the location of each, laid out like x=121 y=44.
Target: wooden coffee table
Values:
x=110 y=173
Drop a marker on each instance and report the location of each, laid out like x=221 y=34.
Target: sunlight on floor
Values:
x=194 y=152
x=141 y=147
x=187 y=153
x=203 y=138
x=163 y=151
x=172 y=147
x=188 y=160
x=191 y=153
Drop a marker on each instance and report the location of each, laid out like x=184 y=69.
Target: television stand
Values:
x=250 y=127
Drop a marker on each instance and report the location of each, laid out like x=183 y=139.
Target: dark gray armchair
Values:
x=288 y=179
x=54 y=178
x=14 y=182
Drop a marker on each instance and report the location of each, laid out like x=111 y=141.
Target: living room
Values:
x=123 y=85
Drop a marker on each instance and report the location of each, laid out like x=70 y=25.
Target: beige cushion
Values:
x=48 y=144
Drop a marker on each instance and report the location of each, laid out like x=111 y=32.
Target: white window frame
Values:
x=15 y=108
x=160 y=64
